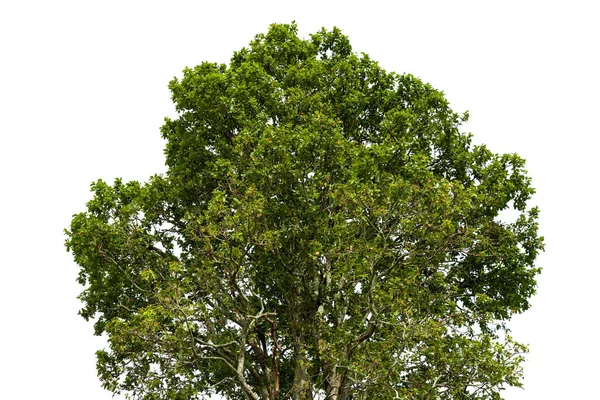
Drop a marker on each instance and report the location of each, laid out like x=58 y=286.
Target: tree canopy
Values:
x=324 y=230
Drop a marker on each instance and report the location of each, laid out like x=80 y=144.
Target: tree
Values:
x=324 y=230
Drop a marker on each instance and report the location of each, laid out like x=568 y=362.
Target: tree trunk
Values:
x=336 y=389
x=302 y=389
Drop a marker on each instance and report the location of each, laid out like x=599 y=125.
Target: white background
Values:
x=83 y=92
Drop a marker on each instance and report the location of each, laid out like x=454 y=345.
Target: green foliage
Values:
x=324 y=229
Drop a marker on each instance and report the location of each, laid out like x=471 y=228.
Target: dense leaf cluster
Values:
x=324 y=230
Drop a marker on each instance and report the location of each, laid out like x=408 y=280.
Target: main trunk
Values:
x=336 y=389
x=302 y=389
